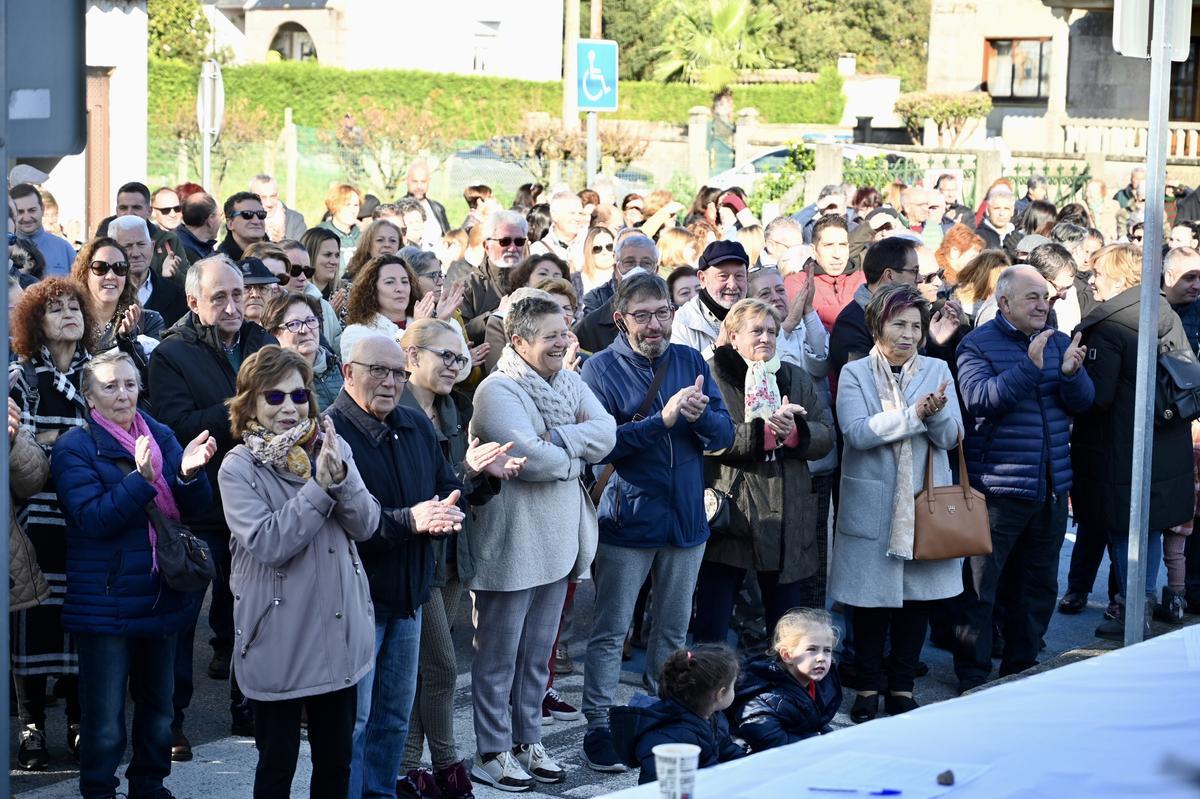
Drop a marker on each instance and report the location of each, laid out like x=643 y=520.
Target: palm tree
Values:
x=710 y=41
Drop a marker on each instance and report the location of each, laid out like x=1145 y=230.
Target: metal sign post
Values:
x=1143 y=422
x=596 y=90
x=210 y=115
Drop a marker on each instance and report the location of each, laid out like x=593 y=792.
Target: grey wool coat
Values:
x=771 y=517
x=542 y=526
x=860 y=571
x=302 y=612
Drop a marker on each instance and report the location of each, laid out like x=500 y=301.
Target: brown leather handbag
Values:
x=950 y=521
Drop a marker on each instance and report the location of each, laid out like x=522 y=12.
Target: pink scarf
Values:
x=164 y=500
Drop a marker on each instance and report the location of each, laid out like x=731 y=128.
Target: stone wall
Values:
x=1101 y=83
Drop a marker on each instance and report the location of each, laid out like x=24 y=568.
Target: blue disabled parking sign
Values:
x=596 y=65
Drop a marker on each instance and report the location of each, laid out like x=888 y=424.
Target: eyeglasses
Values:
x=599 y=248
x=643 y=317
x=295 y=270
x=381 y=372
x=510 y=241
x=448 y=358
x=885 y=227
x=296 y=325
x=625 y=264
x=248 y=215
x=434 y=275
x=169 y=209
x=299 y=396
x=118 y=268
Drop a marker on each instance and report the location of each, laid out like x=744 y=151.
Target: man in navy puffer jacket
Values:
x=1021 y=382
x=651 y=514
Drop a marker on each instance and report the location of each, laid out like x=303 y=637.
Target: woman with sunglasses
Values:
x=296 y=505
x=294 y=319
x=596 y=266
x=101 y=270
x=437 y=359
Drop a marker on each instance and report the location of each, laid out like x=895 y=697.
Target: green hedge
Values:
x=469 y=107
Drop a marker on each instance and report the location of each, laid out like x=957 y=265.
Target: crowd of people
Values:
x=721 y=423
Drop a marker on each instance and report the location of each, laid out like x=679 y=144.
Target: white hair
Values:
x=510 y=218
x=191 y=283
x=638 y=239
x=127 y=223
x=1001 y=191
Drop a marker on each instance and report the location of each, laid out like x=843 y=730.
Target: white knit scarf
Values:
x=891 y=395
x=557 y=399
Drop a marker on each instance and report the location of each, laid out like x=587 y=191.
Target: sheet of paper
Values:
x=915 y=779
x=1191 y=644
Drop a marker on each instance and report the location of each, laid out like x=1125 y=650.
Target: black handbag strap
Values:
x=660 y=374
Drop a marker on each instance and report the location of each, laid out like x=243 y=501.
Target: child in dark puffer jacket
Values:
x=794 y=693
x=696 y=687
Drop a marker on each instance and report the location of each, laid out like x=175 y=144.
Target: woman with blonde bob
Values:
x=778 y=428
x=341 y=206
x=296 y=505
x=1102 y=438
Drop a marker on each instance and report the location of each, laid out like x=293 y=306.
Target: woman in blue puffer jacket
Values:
x=123 y=616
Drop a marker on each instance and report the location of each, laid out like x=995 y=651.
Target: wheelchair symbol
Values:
x=592 y=76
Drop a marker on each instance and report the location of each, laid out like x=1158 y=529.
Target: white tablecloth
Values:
x=1102 y=727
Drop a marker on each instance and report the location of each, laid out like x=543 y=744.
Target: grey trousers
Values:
x=433 y=708
x=620 y=572
x=514 y=635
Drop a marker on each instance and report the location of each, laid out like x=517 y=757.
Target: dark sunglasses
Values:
x=299 y=396
x=295 y=269
x=118 y=268
x=599 y=248
x=169 y=209
x=509 y=241
x=248 y=215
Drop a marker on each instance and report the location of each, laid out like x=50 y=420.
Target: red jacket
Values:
x=834 y=292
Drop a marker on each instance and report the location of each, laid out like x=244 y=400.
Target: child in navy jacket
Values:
x=794 y=694
x=696 y=687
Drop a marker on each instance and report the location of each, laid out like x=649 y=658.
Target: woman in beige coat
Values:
x=28 y=468
x=303 y=620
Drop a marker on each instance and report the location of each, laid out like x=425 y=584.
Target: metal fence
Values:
x=1065 y=181
x=881 y=172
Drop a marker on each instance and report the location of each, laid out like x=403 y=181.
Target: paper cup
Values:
x=676 y=765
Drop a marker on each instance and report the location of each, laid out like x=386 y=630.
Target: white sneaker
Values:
x=536 y=761
x=502 y=772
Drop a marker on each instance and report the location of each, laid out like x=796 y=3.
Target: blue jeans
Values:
x=1119 y=542
x=108 y=665
x=385 y=699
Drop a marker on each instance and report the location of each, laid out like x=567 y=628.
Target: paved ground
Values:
x=224 y=765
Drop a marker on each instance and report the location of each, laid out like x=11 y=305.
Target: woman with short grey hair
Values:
x=529 y=541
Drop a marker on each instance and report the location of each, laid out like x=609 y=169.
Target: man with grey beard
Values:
x=651 y=512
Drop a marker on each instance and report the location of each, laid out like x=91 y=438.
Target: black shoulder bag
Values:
x=184 y=561
x=660 y=374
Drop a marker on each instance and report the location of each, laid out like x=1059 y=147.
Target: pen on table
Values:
x=860 y=791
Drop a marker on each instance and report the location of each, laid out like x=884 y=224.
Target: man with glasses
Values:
x=154 y=292
x=956 y=212
x=192 y=375
x=401 y=462
x=262 y=283
x=651 y=514
x=282 y=222
x=634 y=253
x=997 y=224
x=169 y=258
x=27 y=208
x=245 y=219
x=165 y=208
x=722 y=270
x=505 y=236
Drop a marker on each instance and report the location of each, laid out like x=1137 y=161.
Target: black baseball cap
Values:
x=255 y=273
x=722 y=252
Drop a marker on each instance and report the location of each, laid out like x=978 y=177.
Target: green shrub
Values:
x=949 y=110
x=468 y=107
x=777 y=184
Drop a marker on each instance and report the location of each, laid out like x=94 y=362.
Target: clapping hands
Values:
x=493 y=459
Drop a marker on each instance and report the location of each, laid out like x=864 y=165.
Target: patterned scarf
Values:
x=62 y=380
x=762 y=390
x=164 y=500
x=556 y=399
x=891 y=395
x=285 y=451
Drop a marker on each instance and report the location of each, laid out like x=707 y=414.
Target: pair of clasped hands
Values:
x=443 y=516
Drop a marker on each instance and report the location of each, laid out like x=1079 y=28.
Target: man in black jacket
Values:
x=505 y=245
x=418 y=184
x=200 y=226
x=402 y=464
x=154 y=292
x=245 y=219
x=192 y=374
